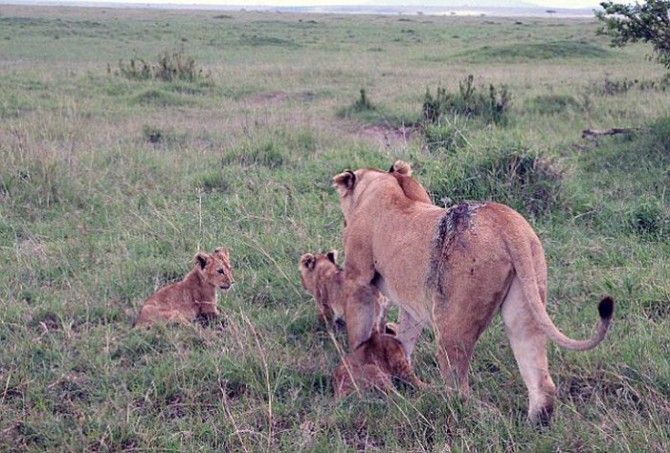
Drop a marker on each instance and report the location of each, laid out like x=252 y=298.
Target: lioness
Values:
x=373 y=364
x=322 y=278
x=193 y=296
x=451 y=269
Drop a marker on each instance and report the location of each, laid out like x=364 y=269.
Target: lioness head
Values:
x=399 y=176
x=320 y=276
x=215 y=268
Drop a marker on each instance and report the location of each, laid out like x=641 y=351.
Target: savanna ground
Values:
x=112 y=179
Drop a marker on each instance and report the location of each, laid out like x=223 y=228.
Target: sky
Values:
x=542 y=3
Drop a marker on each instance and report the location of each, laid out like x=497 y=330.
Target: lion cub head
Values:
x=323 y=279
x=215 y=268
x=373 y=365
x=194 y=295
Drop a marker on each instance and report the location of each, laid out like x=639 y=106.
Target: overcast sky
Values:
x=543 y=3
x=546 y=3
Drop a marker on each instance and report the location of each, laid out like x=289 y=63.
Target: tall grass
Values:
x=110 y=185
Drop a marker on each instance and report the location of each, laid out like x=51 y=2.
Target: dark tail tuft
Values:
x=606 y=308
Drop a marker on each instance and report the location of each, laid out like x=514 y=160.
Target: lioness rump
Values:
x=451 y=270
x=373 y=364
x=193 y=296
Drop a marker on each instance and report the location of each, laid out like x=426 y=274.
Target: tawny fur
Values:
x=374 y=364
x=322 y=278
x=451 y=270
x=182 y=302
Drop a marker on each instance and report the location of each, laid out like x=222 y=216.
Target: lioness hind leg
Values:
x=409 y=331
x=454 y=361
x=529 y=346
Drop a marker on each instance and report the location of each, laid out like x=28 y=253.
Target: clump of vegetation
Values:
x=361 y=107
x=509 y=174
x=490 y=104
x=648 y=220
x=446 y=136
x=171 y=66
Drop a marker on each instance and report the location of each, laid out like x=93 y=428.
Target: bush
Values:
x=170 y=67
x=513 y=175
x=491 y=104
x=362 y=105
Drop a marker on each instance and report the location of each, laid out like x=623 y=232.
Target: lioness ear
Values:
x=307 y=261
x=402 y=168
x=332 y=256
x=201 y=260
x=344 y=182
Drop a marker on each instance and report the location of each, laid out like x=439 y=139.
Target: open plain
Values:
x=131 y=139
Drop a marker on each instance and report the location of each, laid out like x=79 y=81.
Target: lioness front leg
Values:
x=359 y=311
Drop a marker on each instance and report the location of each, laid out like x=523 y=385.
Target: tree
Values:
x=648 y=22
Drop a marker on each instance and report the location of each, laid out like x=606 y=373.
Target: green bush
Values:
x=490 y=104
x=512 y=174
x=171 y=66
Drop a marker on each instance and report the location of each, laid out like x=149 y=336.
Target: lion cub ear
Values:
x=332 y=256
x=201 y=260
x=401 y=167
x=307 y=261
x=222 y=252
x=344 y=182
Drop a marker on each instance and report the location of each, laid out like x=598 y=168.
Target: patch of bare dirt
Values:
x=387 y=136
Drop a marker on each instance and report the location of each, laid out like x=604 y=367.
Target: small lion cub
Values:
x=323 y=279
x=373 y=365
x=194 y=296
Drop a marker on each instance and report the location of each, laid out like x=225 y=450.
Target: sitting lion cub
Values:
x=373 y=365
x=322 y=278
x=193 y=296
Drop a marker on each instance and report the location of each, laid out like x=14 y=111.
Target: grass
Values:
x=109 y=186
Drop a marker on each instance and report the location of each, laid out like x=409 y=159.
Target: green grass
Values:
x=109 y=186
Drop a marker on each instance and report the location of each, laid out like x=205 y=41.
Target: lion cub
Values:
x=193 y=296
x=373 y=365
x=322 y=278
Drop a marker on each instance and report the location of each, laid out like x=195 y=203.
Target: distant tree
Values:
x=648 y=22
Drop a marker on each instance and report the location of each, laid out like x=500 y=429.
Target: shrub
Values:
x=513 y=175
x=491 y=104
x=647 y=220
x=362 y=105
x=170 y=67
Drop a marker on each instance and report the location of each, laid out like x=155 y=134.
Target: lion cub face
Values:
x=373 y=365
x=215 y=268
x=322 y=278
